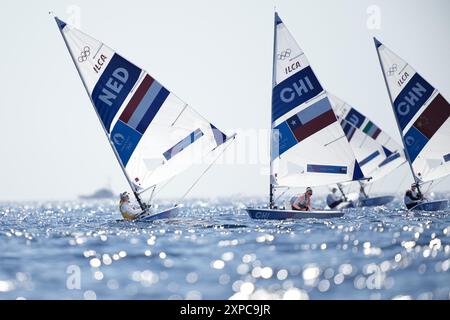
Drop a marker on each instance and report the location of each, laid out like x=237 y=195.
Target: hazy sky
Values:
x=215 y=55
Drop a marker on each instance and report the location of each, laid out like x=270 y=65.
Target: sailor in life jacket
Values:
x=413 y=196
x=334 y=199
x=302 y=202
x=128 y=211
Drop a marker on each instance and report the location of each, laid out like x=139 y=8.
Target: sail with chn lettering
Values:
x=422 y=115
x=377 y=153
x=154 y=134
x=309 y=147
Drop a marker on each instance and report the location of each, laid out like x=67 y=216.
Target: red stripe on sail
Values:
x=433 y=117
x=377 y=133
x=315 y=125
x=136 y=99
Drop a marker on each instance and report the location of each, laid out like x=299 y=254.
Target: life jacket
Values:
x=333 y=200
x=125 y=214
x=412 y=197
x=293 y=200
x=303 y=202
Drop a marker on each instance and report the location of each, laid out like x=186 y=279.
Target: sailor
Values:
x=413 y=196
x=302 y=202
x=334 y=199
x=128 y=211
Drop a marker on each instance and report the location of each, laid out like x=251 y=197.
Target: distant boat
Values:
x=154 y=135
x=103 y=193
x=308 y=144
x=422 y=116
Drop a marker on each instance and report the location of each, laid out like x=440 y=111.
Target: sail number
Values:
x=410 y=99
x=298 y=88
x=114 y=85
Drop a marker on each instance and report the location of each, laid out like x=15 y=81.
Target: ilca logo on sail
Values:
x=284 y=54
x=84 y=54
x=391 y=70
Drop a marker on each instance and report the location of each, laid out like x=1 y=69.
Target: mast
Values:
x=271 y=189
x=377 y=44
x=138 y=198
x=342 y=191
x=361 y=185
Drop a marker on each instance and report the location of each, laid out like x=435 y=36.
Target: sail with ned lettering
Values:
x=154 y=134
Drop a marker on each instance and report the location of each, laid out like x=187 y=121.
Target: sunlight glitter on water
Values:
x=220 y=253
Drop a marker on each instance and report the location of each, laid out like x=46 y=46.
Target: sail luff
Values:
x=408 y=159
x=61 y=25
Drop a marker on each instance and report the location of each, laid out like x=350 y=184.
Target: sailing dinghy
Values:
x=376 y=152
x=153 y=134
x=308 y=145
x=422 y=116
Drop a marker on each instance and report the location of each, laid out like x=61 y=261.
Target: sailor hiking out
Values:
x=413 y=196
x=128 y=211
x=334 y=199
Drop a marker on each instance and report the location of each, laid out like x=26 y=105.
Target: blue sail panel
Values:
x=294 y=91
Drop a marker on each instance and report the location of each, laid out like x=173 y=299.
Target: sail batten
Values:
x=422 y=115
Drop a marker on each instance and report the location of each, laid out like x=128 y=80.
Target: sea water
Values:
x=213 y=250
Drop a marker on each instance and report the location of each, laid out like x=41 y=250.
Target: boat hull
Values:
x=165 y=214
x=344 y=205
x=277 y=214
x=375 y=201
x=431 y=206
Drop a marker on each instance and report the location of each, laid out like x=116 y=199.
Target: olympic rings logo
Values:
x=84 y=54
x=392 y=70
x=284 y=54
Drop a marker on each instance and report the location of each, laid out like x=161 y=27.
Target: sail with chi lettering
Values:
x=377 y=153
x=422 y=115
x=154 y=134
x=309 y=147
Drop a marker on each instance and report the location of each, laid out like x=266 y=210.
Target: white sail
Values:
x=377 y=153
x=155 y=135
x=309 y=147
x=422 y=115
